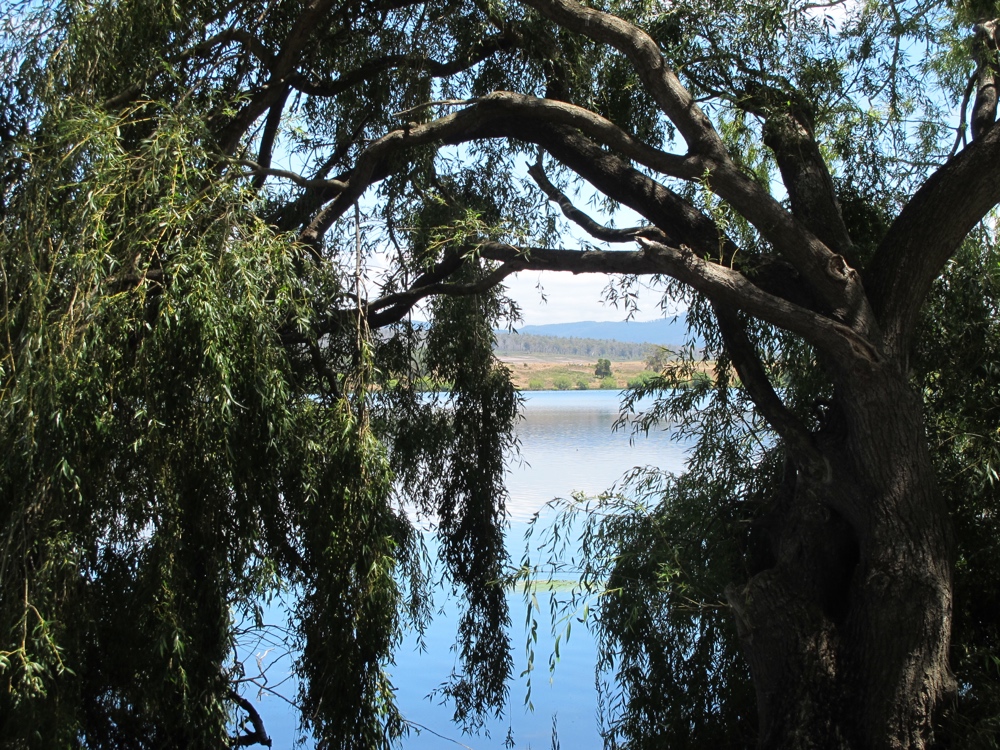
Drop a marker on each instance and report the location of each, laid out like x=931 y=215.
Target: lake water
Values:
x=567 y=445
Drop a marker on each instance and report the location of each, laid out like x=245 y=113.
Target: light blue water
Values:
x=567 y=445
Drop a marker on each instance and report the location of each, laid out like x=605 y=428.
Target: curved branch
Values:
x=593 y=228
x=718 y=283
x=926 y=233
x=261 y=170
x=819 y=266
x=558 y=127
x=721 y=285
x=293 y=214
x=661 y=82
x=481 y=51
x=751 y=371
x=399 y=304
x=258 y=736
x=500 y=114
x=824 y=270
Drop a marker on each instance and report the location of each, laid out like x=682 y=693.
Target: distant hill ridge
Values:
x=612 y=340
x=520 y=344
x=665 y=332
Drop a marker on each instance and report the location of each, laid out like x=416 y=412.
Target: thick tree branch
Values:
x=556 y=126
x=808 y=181
x=258 y=736
x=500 y=114
x=684 y=224
x=720 y=284
x=676 y=217
x=926 y=233
x=819 y=266
x=834 y=283
x=754 y=377
x=724 y=286
x=661 y=82
x=394 y=307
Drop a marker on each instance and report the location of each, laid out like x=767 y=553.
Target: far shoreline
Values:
x=555 y=373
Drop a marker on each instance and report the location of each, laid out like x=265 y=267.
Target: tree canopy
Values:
x=218 y=219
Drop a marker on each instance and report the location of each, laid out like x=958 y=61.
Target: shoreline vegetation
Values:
x=561 y=363
x=562 y=374
x=565 y=363
x=555 y=373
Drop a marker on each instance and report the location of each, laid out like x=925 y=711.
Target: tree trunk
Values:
x=847 y=631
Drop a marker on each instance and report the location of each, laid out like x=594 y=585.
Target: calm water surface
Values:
x=567 y=445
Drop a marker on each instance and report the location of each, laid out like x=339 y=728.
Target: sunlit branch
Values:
x=260 y=170
x=574 y=214
x=645 y=55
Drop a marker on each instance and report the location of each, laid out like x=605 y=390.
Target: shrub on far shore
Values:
x=642 y=379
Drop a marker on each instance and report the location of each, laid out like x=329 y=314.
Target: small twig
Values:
x=421 y=727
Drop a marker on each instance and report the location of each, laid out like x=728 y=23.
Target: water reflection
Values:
x=567 y=445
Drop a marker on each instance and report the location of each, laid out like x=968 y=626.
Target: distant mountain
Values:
x=531 y=344
x=666 y=332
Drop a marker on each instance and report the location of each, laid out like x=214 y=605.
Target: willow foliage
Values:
x=209 y=375
x=173 y=455
x=167 y=464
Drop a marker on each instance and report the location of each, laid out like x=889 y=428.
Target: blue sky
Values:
x=573 y=298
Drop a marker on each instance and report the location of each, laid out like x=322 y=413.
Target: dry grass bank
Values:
x=534 y=375
x=540 y=373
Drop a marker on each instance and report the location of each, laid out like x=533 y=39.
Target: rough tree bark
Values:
x=847 y=632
